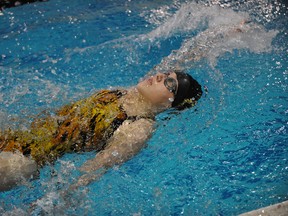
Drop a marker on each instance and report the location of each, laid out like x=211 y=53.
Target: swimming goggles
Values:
x=170 y=83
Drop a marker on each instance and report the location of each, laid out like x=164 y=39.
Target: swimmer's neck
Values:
x=135 y=104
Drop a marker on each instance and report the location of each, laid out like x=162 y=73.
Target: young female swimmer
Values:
x=114 y=123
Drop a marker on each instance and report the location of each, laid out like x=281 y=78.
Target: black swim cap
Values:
x=188 y=93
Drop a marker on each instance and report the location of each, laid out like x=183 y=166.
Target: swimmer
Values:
x=114 y=123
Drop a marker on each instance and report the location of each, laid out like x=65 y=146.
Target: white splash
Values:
x=191 y=16
x=221 y=30
x=216 y=41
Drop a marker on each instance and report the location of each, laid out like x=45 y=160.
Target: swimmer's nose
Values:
x=159 y=77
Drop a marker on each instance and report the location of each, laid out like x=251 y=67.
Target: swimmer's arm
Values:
x=203 y=45
x=126 y=142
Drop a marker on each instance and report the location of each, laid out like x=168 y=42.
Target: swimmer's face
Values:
x=158 y=89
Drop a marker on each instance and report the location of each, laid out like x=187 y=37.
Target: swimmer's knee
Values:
x=15 y=169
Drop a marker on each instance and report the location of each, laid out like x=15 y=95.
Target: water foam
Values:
x=223 y=30
x=263 y=11
x=191 y=16
x=216 y=41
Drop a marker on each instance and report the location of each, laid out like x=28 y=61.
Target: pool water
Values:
x=226 y=156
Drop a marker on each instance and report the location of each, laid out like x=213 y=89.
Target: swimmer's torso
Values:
x=83 y=126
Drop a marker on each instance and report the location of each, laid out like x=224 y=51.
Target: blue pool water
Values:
x=226 y=156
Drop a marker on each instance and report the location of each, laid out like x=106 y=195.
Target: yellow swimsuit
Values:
x=83 y=126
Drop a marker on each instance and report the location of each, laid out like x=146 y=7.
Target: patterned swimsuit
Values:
x=82 y=126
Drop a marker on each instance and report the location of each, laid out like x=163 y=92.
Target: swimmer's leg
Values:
x=15 y=169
